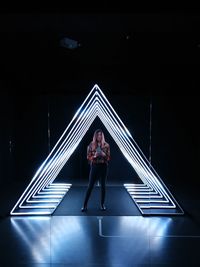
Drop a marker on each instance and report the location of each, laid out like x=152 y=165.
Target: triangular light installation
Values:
x=42 y=196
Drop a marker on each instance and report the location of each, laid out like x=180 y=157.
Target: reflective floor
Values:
x=120 y=241
x=100 y=241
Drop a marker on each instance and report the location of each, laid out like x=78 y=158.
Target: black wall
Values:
x=175 y=138
x=27 y=129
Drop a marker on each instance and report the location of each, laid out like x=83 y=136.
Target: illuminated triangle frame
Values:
x=42 y=196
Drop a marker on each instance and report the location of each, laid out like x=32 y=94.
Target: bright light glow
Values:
x=152 y=190
x=43 y=201
x=49 y=196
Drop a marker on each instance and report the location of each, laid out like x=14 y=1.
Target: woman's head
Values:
x=98 y=137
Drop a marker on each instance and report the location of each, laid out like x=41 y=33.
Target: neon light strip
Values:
x=124 y=152
x=32 y=213
x=51 y=193
x=57 y=201
x=128 y=185
x=77 y=137
x=125 y=128
x=62 y=163
x=143 y=193
x=120 y=146
x=57 y=184
x=49 y=190
x=43 y=165
x=50 y=196
x=43 y=201
x=138 y=187
x=123 y=145
x=75 y=116
x=140 y=190
x=143 y=167
x=75 y=141
x=47 y=176
x=152 y=197
x=156 y=207
x=40 y=207
x=152 y=201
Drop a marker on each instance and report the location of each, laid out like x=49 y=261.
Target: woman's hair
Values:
x=94 y=141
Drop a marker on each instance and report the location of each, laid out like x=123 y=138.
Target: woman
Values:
x=98 y=155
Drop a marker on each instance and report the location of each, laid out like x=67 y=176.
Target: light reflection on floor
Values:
x=104 y=241
x=35 y=233
x=74 y=240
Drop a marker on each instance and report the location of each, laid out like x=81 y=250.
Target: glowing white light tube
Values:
x=57 y=159
x=43 y=165
x=77 y=137
x=147 y=166
x=72 y=146
x=122 y=148
x=107 y=102
x=64 y=161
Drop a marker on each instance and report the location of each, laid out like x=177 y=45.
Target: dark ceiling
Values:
x=122 y=52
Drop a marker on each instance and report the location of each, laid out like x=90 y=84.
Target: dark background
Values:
x=136 y=58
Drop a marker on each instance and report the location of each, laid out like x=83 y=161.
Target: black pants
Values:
x=97 y=171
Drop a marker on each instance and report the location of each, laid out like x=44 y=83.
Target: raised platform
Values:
x=118 y=203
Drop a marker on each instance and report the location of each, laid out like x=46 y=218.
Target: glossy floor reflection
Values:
x=113 y=241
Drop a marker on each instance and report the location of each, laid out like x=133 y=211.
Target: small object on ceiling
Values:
x=69 y=43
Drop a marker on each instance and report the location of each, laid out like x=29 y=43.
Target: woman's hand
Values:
x=96 y=154
x=103 y=154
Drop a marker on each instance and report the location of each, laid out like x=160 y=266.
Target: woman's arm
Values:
x=90 y=154
x=106 y=152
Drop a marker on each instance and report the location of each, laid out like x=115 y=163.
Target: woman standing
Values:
x=98 y=155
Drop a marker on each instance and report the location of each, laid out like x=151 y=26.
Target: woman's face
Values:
x=99 y=136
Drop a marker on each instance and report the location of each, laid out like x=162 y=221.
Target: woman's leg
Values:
x=103 y=174
x=92 y=179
